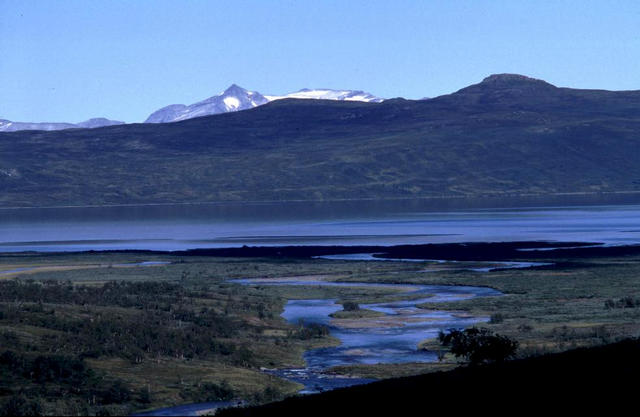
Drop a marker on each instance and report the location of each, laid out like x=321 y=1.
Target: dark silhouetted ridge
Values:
x=600 y=378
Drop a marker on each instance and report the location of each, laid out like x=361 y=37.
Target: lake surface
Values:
x=354 y=223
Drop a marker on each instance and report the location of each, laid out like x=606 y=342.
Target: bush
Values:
x=525 y=328
x=350 y=306
x=479 y=345
x=18 y=405
x=496 y=318
x=267 y=395
x=208 y=392
x=115 y=392
x=311 y=331
x=217 y=392
x=626 y=302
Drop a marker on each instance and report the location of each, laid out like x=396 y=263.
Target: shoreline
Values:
x=468 y=251
x=521 y=251
x=458 y=198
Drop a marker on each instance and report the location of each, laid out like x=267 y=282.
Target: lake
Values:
x=180 y=227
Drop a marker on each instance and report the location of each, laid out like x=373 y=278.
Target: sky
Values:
x=70 y=60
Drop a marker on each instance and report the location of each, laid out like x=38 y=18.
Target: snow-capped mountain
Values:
x=9 y=126
x=234 y=98
x=327 y=94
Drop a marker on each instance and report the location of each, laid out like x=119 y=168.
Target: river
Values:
x=392 y=337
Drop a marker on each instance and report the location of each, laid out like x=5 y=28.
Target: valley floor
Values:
x=137 y=337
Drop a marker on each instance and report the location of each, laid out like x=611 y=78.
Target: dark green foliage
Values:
x=496 y=318
x=149 y=294
x=269 y=394
x=208 y=392
x=567 y=335
x=144 y=395
x=43 y=369
x=350 y=306
x=525 y=328
x=135 y=321
x=164 y=324
x=57 y=376
x=479 y=345
x=18 y=405
x=116 y=392
x=310 y=331
x=626 y=302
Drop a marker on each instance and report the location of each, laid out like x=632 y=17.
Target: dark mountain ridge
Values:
x=507 y=135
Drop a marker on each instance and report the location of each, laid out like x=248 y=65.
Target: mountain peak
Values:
x=234 y=89
x=234 y=98
x=512 y=80
x=501 y=87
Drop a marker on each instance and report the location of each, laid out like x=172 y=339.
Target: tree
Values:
x=350 y=306
x=479 y=346
x=18 y=405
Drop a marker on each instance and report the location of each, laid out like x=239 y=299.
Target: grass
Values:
x=545 y=309
x=167 y=378
x=272 y=342
x=356 y=314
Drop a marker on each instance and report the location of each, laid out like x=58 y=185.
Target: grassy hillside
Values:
x=508 y=135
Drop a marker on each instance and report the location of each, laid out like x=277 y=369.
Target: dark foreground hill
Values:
x=508 y=135
x=603 y=379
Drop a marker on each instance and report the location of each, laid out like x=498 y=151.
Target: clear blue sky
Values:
x=69 y=60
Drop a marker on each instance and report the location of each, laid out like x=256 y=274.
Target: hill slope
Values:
x=589 y=378
x=507 y=135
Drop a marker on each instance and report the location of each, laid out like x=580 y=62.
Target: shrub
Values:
x=479 y=345
x=525 y=328
x=208 y=392
x=115 y=392
x=311 y=331
x=350 y=306
x=496 y=318
x=18 y=405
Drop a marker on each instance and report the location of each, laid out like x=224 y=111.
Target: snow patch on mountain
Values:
x=328 y=94
x=232 y=103
x=234 y=98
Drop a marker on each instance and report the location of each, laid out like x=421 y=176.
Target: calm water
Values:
x=355 y=223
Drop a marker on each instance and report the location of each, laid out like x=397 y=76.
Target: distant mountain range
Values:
x=509 y=135
x=236 y=98
x=9 y=126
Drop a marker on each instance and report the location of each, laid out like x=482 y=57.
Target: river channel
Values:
x=391 y=337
